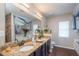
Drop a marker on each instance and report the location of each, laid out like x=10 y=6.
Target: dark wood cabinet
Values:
x=48 y=46
x=42 y=50
x=33 y=54
x=38 y=52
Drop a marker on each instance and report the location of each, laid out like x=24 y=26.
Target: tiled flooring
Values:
x=57 y=51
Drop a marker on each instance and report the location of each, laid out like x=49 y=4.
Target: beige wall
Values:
x=64 y=42
x=2 y=24
x=40 y=23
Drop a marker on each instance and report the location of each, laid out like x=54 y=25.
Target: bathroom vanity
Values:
x=22 y=26
x=39 y=49
x=42 y=49
x=19 y=33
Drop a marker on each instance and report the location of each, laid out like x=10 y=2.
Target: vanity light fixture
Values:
x=39 y=14
x=22 y=7
x=26 y=8
x=40 y=18
x=25 y=5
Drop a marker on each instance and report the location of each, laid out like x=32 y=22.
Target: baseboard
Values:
x=65 y=47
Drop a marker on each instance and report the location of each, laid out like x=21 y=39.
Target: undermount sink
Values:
x=26 y=48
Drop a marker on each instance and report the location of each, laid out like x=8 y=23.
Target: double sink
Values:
x=21 y=49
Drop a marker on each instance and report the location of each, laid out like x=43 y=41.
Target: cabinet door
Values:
x=43 y=49
x=48 y=46
x=38 y=52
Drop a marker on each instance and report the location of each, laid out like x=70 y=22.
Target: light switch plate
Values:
x=2 y=33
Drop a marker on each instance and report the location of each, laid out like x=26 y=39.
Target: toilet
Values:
x=52 y=46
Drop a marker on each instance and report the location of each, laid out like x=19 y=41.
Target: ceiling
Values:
x=55 y=9
x=46 y=9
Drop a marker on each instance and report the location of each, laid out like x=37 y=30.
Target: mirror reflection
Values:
x=22 y=28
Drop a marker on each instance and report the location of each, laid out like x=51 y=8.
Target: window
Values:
x=35 y=26
x=64 y=29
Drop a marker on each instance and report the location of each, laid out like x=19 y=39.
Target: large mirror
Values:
x=20 y=25
x=23 y=29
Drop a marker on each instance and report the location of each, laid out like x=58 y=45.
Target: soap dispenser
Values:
x=33 y=40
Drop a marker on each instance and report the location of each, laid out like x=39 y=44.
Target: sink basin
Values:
x=26 y=48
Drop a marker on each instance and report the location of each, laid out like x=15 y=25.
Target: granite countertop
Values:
x=14 y=51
